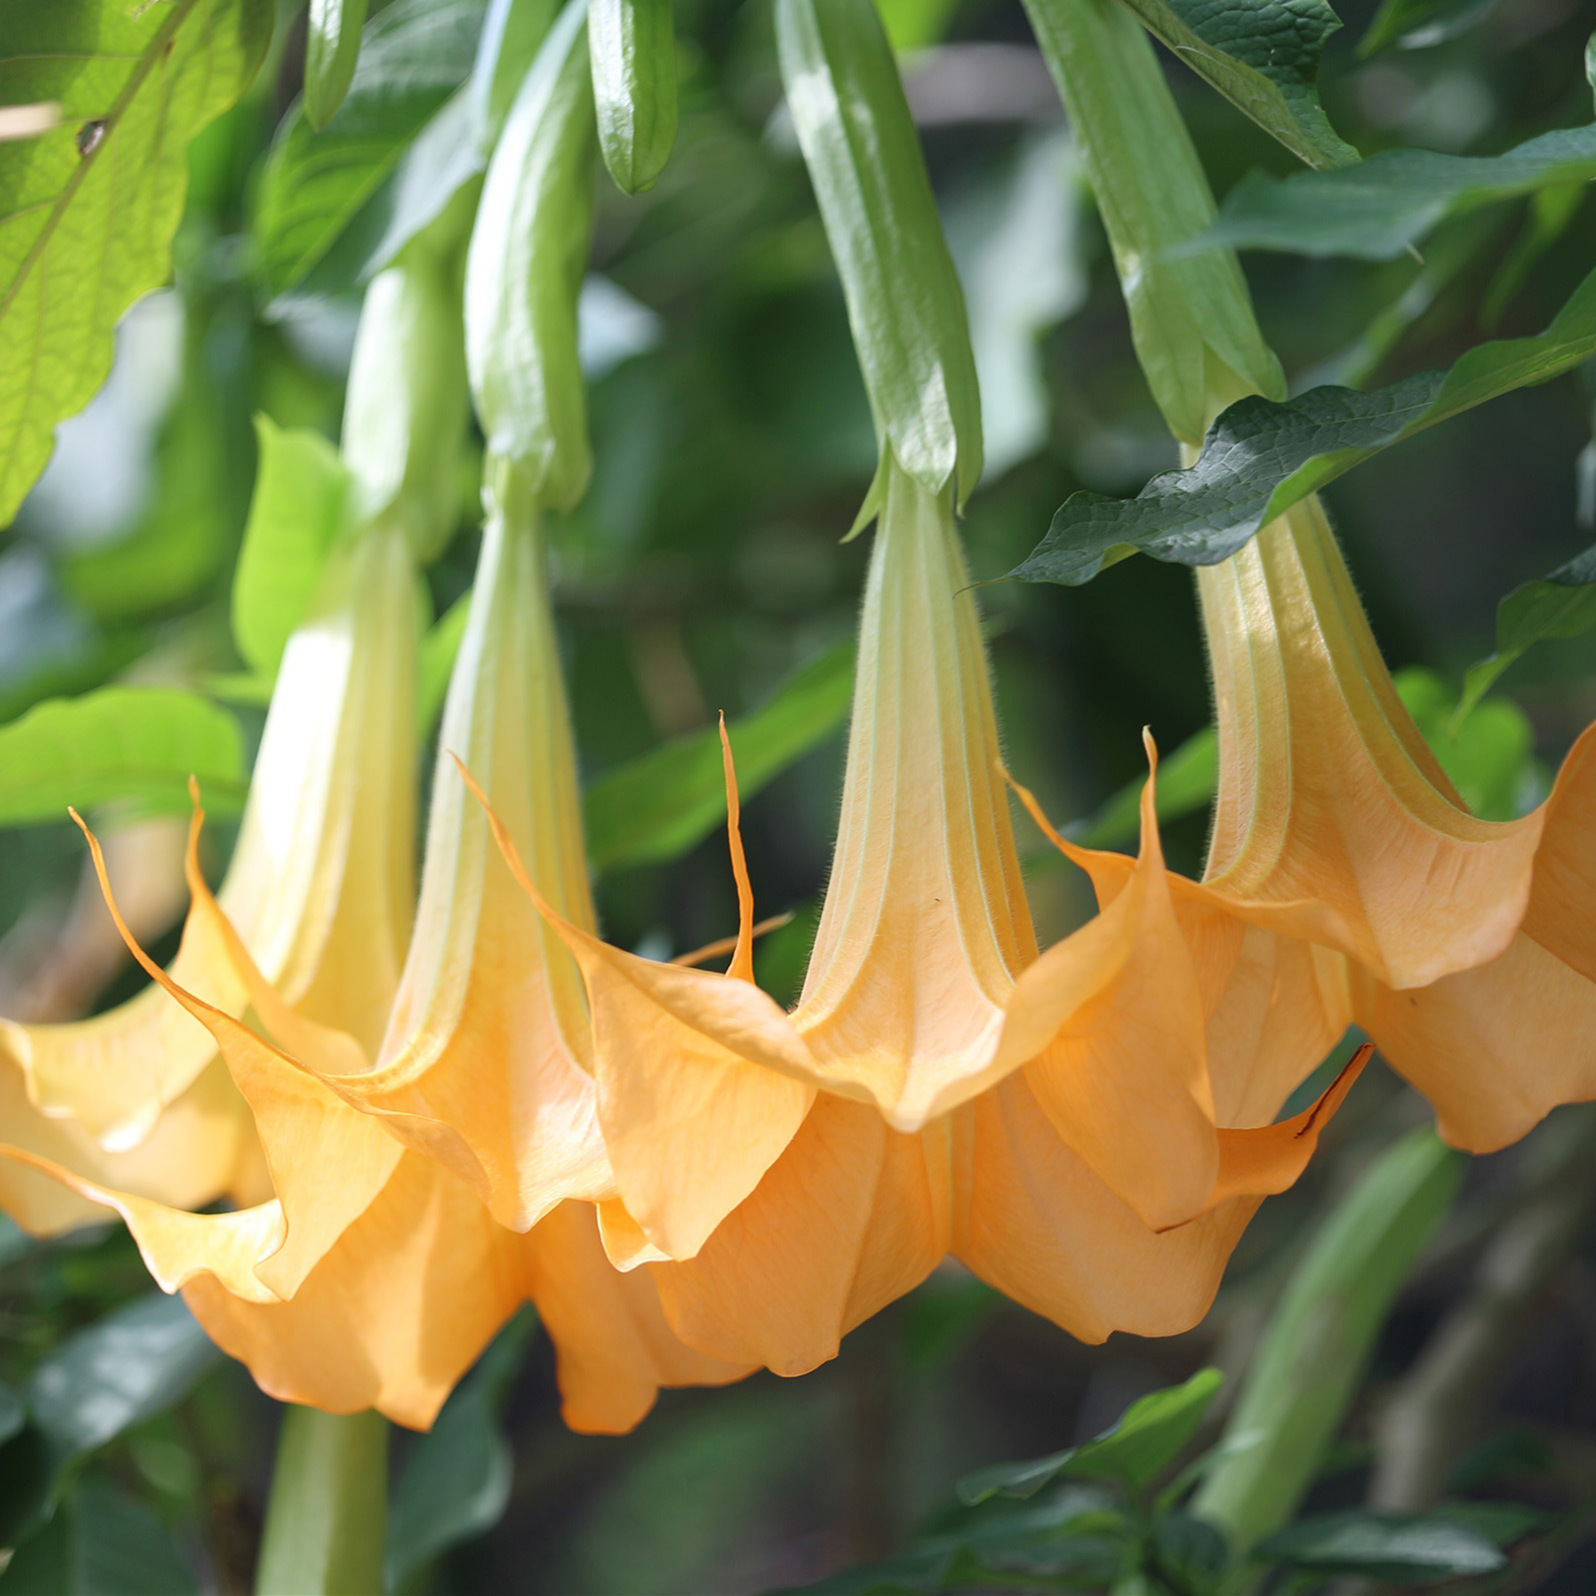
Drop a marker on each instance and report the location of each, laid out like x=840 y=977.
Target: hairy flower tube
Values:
x=318 y=888
x=1471 y=944
x=1073 y=1088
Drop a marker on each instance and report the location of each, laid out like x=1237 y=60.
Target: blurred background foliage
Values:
x=705 y=572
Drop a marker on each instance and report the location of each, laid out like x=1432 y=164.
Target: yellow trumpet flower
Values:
x=924 y=991
x=1470 y=944
x=319 y=888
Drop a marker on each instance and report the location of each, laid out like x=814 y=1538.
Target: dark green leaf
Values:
x=1147 y=1437
x=1383 y=1546
x=1377 y=209
x=524 y=271
x=1501 y=1456
x=1190 y=1553
x=456 y=1481
x=133 y=743
x=904 y=300
x=414 y=55
x=301 y=489
x=634 y=87
x=87 y=211
x=332 y=47
x=12 y=1413
x=99 y=1543
x=1264 y=58
x=1560 y=604
x=1417 y=24
x=659 y=806
x=1503 y=1524
x=1260 y=458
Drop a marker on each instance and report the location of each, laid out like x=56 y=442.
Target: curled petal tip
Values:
x=1151 y=745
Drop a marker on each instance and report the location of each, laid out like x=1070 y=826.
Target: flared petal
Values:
x=1037 y=1224
x=694 y=1072
x=203 y=1144
x=484 y=1065
x=320 y=882
x=392 y=1316
x=1562 y=909
x=849 y=1218
x=1327 y=792
x=925 y=921
x=613 y=1347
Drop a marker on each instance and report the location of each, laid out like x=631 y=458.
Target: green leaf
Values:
x=916 y=24
x=1147 y=1437
x=414 y=55
x=1260 y=458
x=118 y=743
x=634 y=87
x=1186 y=782
x=1191 y=315
x=13 y=1415
x=1191 y=1553
x=1311 y=1360
x=1561 y=604
x=1487 y=750
x=99 y=1543
x=332 y=47
x=1418 y=24
x=1264 y=58
x=524 y=271
x=1377 y=209
x=326 y=1516
x=659 y=806
x=99 y=1382
x=456 y=1480
x=1406 y=1551
x=301 y=490
x=88 y=210
x=905 y=304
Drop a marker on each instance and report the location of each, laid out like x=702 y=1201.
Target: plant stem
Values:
x=326 y=1518
x=1320 y=1336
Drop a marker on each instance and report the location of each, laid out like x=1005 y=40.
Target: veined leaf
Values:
x=332 y=47
x=138 y=743
x=1264 y=58
x=1260 y=458
x=1145 y=1439
x=1376 y=209
x=413 y=56
x=301 y=487
x=634 y=87
x=904 y=300
x=88 y=210
x=659 y=806
x=1560 y=604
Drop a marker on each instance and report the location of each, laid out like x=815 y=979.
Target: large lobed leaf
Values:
x=88 y=210
x=1260 y=458
x=1262 y=56
x=1378 y=208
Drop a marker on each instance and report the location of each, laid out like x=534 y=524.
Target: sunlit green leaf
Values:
x=414 y=55
x=1408 y=1551
x=1376 y=209
x=1186 y=780
x=1560 y=604
x=916 y=24
x=136 y=743
x=301 y=488
x=1264 y=58
x=524 y=271
x=332 y=47
x=659 y=806
x=1260 y=458
x=88 y=210
x=1147 y=1437
x=634 y=87
x=904 y=300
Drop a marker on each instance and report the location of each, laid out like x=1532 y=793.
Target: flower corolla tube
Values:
x=374 y=1275
x=939 y=1087
x=1470 y=945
